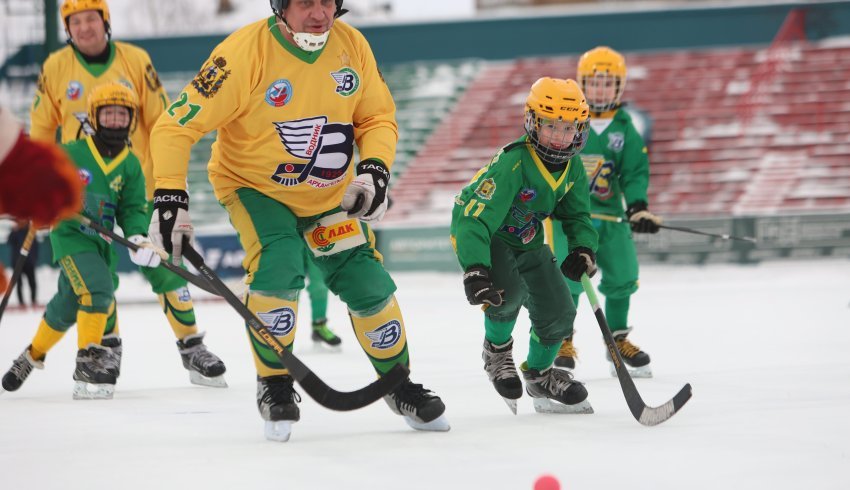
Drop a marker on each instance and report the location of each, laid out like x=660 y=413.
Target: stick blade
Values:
x=345 y=401
x=651 y=416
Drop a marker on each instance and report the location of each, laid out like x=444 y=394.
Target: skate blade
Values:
x=278 y=431
x=90 y=391
x=440 y=424
x=545 y=405
x=511 y=403
x=199 y=379
x=638 y=372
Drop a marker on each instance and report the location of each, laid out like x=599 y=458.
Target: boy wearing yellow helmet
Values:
x=497 y=234
x=617 y=166
x=68 y=76
x=114 y=189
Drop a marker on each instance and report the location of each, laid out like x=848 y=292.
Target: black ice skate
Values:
x=555 y=391
x=94 y=381
x=421 y=408
x=636 y=360
x=205 y=368
x=323 y=337
x=113 y=342
x=277 y=402
x=20 y=370
x=567 y=354
x=500 y=367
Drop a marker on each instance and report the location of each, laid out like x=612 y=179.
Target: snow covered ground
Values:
x=763 y=346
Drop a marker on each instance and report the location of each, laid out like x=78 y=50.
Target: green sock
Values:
x=498 y=333
x=617 y=313
x=541 y=356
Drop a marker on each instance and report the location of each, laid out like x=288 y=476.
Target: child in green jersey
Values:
x=497 y=233
x=617 y=166
x=114 y=194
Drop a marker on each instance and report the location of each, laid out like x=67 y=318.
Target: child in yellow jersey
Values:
x=290 y=96
x=68 y=76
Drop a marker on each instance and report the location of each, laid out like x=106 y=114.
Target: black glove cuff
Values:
x=170 y=198
x=375 y=168
x=476 y=272
x=636 y=207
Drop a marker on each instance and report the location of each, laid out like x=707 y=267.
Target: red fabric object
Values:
x=39 y=183
x=4 y=280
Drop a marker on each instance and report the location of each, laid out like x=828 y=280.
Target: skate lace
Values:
x=21 y=368
x=410 y=395
x=110 y=362
x=557 y=380
x=567 y=349
x=279 y=391
x=100 y=360
x=626 y=348
x=203 y=358
x=500 y=365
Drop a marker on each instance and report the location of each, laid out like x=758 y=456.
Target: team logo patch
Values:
x=525 y=233
x=326 y=147
x=212 y=76
x=74 y=91
x=279 y=321
x=486 y=189
x=385 y=336
x=599 y=174
x=279 y=93
x=117 y=184
x=616 y=141
x=42 y=80
x=152 y=78
x=183 y=295
x=85 y=176
x=347 y=81
x=527 y=195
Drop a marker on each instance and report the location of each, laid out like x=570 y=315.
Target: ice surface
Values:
x=763 y=346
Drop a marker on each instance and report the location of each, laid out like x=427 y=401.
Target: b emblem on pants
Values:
x=385 y=336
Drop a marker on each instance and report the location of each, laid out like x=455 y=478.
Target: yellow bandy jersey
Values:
x=287 y=119
x=66 y=80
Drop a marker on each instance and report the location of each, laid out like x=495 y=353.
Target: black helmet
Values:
x=278 y=6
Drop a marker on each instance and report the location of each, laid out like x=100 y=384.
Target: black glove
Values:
x=580 y=261
x=366 y=195
x=479 y=288
x=641 y=220
x=170 y=223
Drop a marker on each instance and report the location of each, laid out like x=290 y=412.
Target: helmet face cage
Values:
x=112 y=96
x=596 y=88
x=554 y=140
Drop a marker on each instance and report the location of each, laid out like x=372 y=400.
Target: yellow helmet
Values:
x=71 y=7
x=556 y=119
x=108 y=94
x=607 y=64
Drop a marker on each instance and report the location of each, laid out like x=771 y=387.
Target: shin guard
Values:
x=381 y=335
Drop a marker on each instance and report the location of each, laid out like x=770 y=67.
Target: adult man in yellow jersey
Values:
x=90 y=59
x=290 y=96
